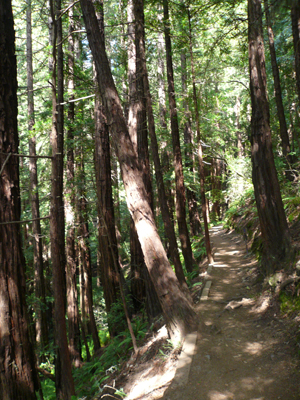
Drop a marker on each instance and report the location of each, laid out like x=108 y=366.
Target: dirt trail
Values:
x=240 y=353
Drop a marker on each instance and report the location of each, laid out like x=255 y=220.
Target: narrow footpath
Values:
x=241 y=352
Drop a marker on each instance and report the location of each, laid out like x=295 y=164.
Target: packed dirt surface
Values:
x=244 y=351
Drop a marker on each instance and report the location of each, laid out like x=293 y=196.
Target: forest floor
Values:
x=245 y=348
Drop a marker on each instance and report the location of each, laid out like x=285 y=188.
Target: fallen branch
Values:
x=285 y=283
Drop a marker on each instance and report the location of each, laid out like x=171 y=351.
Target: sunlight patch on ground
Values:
x=252 y=383
x=217 y=265
x=254 y=348
x=146 y=385
x=215 y=395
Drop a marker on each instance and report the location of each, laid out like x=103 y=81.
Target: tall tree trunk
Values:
x=18 y=376
x=164 y=151
x=285 y=141
x=152 y=303
x=110 y=269
x=273 y=224
x=138 y=288
x=63 y=372
x=178 y=312
x=71 y=265
x=237 y=109
x=168 y=224
x=295 y=16
x=216 y=188
x=88 y=317
x=41 y=325
x=195 y=224
x=179 y=180
x=200 y=152
x=109 y=251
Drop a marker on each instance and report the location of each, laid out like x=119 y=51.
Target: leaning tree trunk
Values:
x=18 y=377
x=135 y=113
x=152 y=303
x=110 y=269
x=41 y=325
x=273 y=224
x=179 y=179
x=169 y=227
x=178 y=312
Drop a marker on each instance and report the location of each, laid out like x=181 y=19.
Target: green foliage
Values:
x=190 y=276
x=93 y=374
x=198 y=247
x=239 y=178
x=289 y=304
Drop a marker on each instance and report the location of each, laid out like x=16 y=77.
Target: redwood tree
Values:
x=285 y=141
x=179 y=179
x=178 y=312
x=18 y=377
x=63 y=372
x=41 y=325
x=273 y=224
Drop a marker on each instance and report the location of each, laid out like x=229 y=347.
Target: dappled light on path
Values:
x=240 y=353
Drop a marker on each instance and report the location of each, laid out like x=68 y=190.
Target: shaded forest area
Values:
x=127 y=128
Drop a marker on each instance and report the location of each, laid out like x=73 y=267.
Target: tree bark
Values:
x=41 y=325
x=18 y=376
x=169 y=227
x=285 y=141
x=179 y=179
x=88 y=318
x=295 y=16
x=71 y=265
x=200 y=152
x=195 y=224
x=152 y=303
x=237 y=109
x=138 y=287
x=63 y=372
x=179 y=314
x=274 y=229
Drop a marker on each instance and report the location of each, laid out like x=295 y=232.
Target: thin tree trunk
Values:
x=179 y=179
x=88 y=318
x=63 y=372
x=109 y=278
x=71 y=265
x=285 y=141
x=164 y=151
x=200 y=152
x=18 y=376
x=179 y=314
x=195 y=224
x=274 y=229
x=237 y=109
x=295 y=16
x=41 y=325
x=169 y=227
